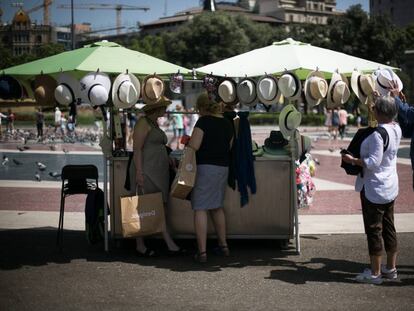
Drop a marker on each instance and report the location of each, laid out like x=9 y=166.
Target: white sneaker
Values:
x=367 y=277
x=389 y=273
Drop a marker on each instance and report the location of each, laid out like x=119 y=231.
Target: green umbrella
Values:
x=108 y=57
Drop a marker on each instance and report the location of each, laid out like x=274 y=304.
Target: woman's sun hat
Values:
x=95 y=88
x=125 y=91
x=44 y=90
x=227 y=91
x=162 y=102
x=67 y=90
x=384 y=80
x=246 y=92
x=315 y=88
x=363 y=85
x=153 y=89
x=289 y=120
x=290 y=85
x=268 y=92
x=338 y=92
x=10 y=88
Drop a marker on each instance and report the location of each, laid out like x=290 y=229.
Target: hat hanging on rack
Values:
x=338 y=92
x=289 y=120
x=246 y=92
x=268 y=91
x=10 y=88
x=227 y=91
x=176 y=83
x=67 y=90
x=315 y=88
x=153 y=89
x=290 y=85
x=125 y=91
x=95 y=88
x=363 y=85
x=385 y=79
x=44 y=90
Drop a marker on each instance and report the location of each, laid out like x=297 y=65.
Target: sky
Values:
x=101 y=19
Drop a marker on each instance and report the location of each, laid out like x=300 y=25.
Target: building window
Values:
x=39 y=39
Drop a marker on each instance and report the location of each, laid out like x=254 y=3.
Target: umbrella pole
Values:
x=105 y=161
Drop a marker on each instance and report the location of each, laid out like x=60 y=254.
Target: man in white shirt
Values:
x=58 y=118
x=378 y=190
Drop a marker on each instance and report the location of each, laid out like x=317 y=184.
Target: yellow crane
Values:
x=102 y=6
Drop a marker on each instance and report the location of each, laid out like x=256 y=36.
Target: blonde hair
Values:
x=205 y=104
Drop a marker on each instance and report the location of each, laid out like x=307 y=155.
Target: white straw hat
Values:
x=290 y=86
x=95 y=87
x=68 y=89
x=125 y=90
x=227 y=91
x=289 y=120
x=363 y=85
x=384 y=79
x=267 y=90
x=246 y=92
x=338 y=92
x=315 y=88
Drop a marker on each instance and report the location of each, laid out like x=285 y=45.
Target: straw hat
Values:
x=10 y=88
x=44 y=90
x=315 y=88
x=267 y=90
x=125 y=90
x=246 y=92
x=95 y=88
x=363 y=85
x=338 y=92
x=153 y=89
x=67 y=91
x=384 y=79
x=227 y=91
x=162 y=102
x=289 y=120
x=290 y=85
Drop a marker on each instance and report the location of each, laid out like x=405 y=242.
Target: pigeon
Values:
x=37 y=176
x=317 y=161
x=52 y=147
x=54 y=174
x=65 y=150
x=21 y=148
x=26 y=147
x=41 y=166
x=17 y=162
x=5 y=160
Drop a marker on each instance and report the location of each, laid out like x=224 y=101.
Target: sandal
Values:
x=201 y=257
x=180 y=252
x=222 y=250
x=149 y=253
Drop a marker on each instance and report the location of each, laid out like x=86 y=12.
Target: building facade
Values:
x=299 y=11
x=401 y=12
x=22 y=36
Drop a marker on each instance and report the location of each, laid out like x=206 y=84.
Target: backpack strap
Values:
x=385 y=137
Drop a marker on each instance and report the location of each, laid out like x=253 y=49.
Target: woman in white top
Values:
x=378 y=190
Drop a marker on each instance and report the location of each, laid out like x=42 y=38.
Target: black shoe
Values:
x=149 y=253
x=180 y=252
x=200 y=257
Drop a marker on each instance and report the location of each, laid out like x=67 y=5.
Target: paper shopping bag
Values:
x=185 y=179
x=142 y=215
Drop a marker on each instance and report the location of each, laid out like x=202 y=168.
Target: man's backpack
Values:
x=94 y=216
x=354 y=147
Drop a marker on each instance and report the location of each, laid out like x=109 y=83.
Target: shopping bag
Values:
x=186 y=175
x=142 y=215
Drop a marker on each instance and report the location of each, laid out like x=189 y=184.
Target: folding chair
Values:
x=76 y=179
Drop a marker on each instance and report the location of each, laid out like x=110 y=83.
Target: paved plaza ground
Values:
x=259 y=276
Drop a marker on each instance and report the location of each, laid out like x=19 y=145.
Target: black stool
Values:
x=76 y=179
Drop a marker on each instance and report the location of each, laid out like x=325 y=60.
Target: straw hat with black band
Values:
x=289 y=120
x=246 y=92
x=385 y=80
x=315 y=88
x=67 y=91
x=290 y=85
x=227 y=91
x=95 y=88
x=267 y=90
x=44 y=90
x=338 y=92
x=363 y=85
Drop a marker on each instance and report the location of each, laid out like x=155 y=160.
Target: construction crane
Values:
x=102 y=6
x=45 y=5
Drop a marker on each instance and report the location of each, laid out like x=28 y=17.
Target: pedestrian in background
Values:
x=343 y=122
x=58 y=118
x=2 y=116
x=10 y=121
x=378 y=187
x=40 y=119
